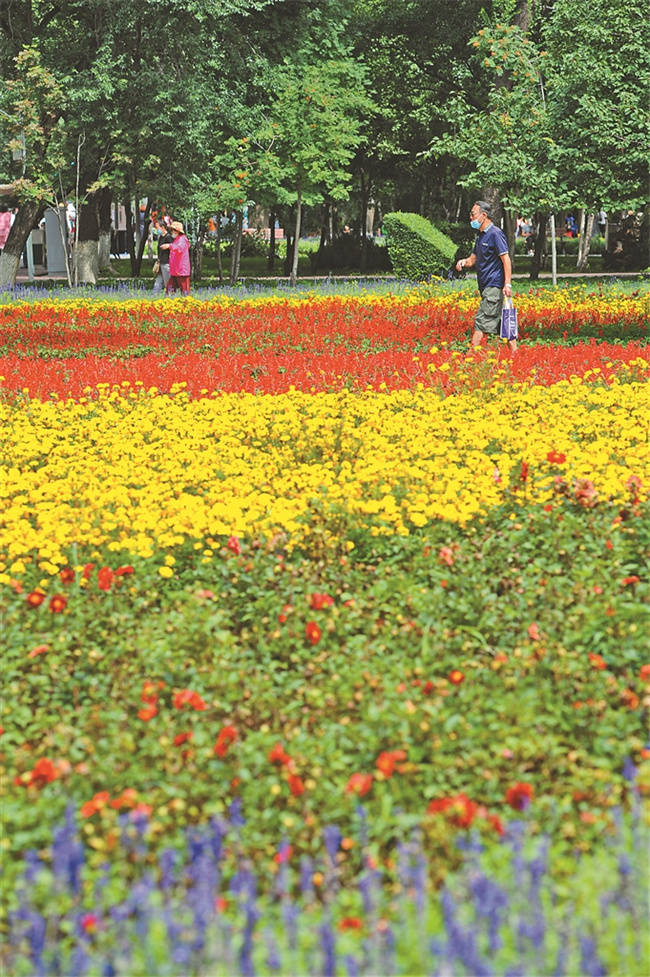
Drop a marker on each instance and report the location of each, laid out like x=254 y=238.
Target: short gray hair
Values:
x=485 y=207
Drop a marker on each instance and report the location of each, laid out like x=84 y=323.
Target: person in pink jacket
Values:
x=179 y=260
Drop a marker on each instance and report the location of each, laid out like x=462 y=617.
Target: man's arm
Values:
x=507 y=271
x=466 y=262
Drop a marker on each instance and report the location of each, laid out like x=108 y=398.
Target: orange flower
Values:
x=597 y=661
x=128 y=798
x=387 y=761
x=147 y=713
x=36 y=598
x=44 y=772
x=446 y=555
x=38 y=650
x=456 y=677
x=556 y=457
x=644 y=673
x=58 y=603
x=312 y=632
x=227 y=735
x=188 y=698
x=285 y=612
x=66 y=575
x=533 y=631
x=359 y=784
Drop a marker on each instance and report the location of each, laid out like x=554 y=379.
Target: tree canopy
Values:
x=217 y=104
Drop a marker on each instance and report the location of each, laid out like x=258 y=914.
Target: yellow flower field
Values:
x=144 y=472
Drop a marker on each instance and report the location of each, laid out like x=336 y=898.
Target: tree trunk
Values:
x=219 y=262
x=296 y=238
x=541 y=220
x=27 y=216
x=86 y=252
x=143 y=237
x=510 y=228
x=584 y=245
x=130 y=240
x=271 y=259
x=104 y=203
x=236 y=247
x=363 y=223
x=197 y=260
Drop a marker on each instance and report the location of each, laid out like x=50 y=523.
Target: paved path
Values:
x=40 y=279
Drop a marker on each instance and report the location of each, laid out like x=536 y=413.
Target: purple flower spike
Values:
x=332 y=838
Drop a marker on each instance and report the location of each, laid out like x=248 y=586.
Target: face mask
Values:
x=475 y=224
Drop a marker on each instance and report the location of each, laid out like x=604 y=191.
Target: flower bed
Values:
x=417 y=584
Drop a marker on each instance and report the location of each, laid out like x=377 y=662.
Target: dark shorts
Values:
x=488 y=316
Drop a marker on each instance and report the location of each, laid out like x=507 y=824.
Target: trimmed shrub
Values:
x=417 y=249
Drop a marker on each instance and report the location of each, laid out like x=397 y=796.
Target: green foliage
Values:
x=417 y=249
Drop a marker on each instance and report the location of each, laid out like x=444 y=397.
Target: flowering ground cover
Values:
x=308 y=613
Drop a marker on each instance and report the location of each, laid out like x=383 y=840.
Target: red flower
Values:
x=278 y=756
x=597 y=660
x=627 y=581
x=318 y=601
x=36 y=598
x=283 y=854
x=128 y=798
x=226 y=736
x=284 y=613
x=428 y=687
x=359 y=783
x=58 y=603
x=89 y=922
x=234 y=545
x=312 y=632
x=87 y=570
x=150 y=691
x=556 y=457
x=296 y=785
x=105 y=578
x=456 y=677
x=496 y=823
x=351 y=923
x=148 y=713
x=523 y=474
x=181 y=738
x=460 y=810
x=66 y=575
x=533 y=631
x=44 y=772
x=519 y=796
x=188 y=698
x=644 y=673
x=124 y=571
x=387 y=761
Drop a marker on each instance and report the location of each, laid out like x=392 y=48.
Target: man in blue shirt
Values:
x=493 y=271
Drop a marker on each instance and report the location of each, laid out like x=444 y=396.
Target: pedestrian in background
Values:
x=162 y=276
x=493 y=271
x=179 y=259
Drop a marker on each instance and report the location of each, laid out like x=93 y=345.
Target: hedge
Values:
x=417 y=249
